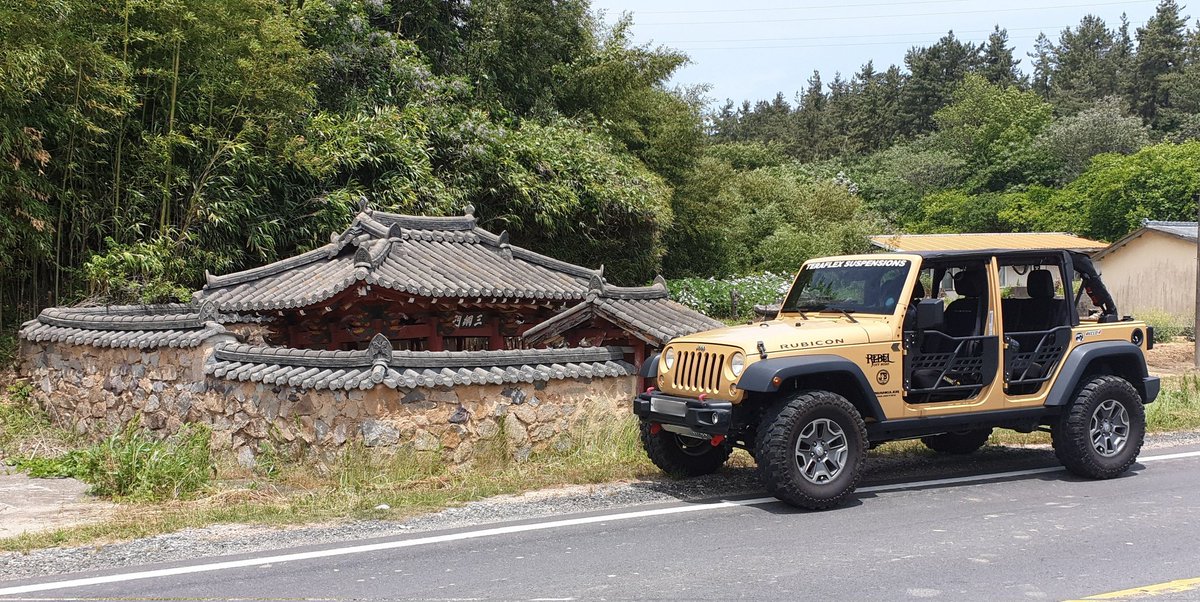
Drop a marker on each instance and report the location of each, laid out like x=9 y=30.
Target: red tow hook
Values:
x=717 y=440
x=655 y=428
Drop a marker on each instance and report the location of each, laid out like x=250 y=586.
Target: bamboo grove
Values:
x=145 y=141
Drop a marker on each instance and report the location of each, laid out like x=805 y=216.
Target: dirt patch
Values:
x=1170 y=359
x=30 y=505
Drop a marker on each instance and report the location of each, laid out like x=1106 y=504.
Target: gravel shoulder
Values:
x=222 y=540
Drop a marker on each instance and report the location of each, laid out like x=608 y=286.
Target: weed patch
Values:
x=1177 y=406
x=133 y=466
x=26 y=430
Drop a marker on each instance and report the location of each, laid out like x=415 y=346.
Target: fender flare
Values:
x=760 y=376
x=649 y=367
x=1080 y=358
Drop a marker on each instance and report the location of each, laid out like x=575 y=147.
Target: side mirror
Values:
x=931 y=314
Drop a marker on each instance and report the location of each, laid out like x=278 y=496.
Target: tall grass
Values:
x=1177 y=406
x=1166 y=326
x=132 y=465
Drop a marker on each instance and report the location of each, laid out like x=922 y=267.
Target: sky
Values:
x=751 y=49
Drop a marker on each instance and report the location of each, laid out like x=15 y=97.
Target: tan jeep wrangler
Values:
x=944 y=346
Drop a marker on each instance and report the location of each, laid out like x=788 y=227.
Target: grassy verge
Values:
x=359 y=482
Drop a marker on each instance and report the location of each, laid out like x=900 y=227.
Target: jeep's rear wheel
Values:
x=1100 y=434
x=811 y=448
x=960 y=443
x=682 y=456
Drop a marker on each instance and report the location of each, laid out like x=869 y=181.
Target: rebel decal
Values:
x=879 y=359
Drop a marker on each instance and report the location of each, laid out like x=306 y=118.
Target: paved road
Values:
x=1036 y=534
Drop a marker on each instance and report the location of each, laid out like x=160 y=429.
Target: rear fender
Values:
x=1118 y=358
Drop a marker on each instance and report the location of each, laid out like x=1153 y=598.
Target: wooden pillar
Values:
x=639 y=356
x=495 y=339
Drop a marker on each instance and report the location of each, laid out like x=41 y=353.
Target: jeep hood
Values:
x=793 y=333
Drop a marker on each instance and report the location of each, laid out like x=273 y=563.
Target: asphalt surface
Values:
x=1039 y=534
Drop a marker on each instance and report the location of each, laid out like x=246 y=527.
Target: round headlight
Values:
x=669 y=359
x=737 y=363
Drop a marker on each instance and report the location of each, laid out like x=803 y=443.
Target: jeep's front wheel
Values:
x=1100 y=434
x=811 y=448
x=681 y=456
x=958 y=443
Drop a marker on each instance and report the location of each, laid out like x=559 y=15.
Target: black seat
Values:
x=1042 y=311
x=964 y=315
x=963 y=318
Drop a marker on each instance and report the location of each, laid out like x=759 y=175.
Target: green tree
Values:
x=934 y=73
x=1160 y=53
x=518 y=51
x=998 y=65
x=1086 y=66
x=1043 y=64
x=1071 y=142
x=993 y=129
x=954 y=211
x=894 y=181
x=1118 y=191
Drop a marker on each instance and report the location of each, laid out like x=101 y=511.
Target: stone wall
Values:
x=98 y=390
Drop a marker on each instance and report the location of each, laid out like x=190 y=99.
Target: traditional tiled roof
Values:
x=378 y=364
x=645 y=312
x=440 y=257
x=125 y=326
x=428 y=256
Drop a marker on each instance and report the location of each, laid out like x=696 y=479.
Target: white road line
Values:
x=555 y=524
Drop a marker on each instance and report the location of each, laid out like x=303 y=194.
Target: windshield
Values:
x=854 y=285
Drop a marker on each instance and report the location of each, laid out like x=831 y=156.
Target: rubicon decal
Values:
x=817 y=343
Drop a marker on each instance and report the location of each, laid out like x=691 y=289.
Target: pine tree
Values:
x=998 y=65
x=1123 y=58
x=1085 y=66
x=1043 y=64
x=1160 y=53
x=934 y=73
x=810 y=116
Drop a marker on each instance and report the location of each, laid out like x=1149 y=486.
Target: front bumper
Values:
x=709 y=417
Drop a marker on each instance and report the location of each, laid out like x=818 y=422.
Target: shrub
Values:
x=132 y=465
x=1166 y=326
x=715 y=297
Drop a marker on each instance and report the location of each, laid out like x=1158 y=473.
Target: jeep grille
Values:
x=698 y=371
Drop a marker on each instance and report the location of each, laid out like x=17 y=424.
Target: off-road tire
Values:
x=777 y=455
x=1073 y=435
x=960 y=443
x=681 y=456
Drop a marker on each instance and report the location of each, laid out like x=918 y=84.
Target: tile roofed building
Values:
x=419 y=285
x=648 y=314
x=436 y=257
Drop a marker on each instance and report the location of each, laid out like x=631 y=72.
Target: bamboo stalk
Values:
x=62 y=205
x=116 y=210
x=165 y=214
